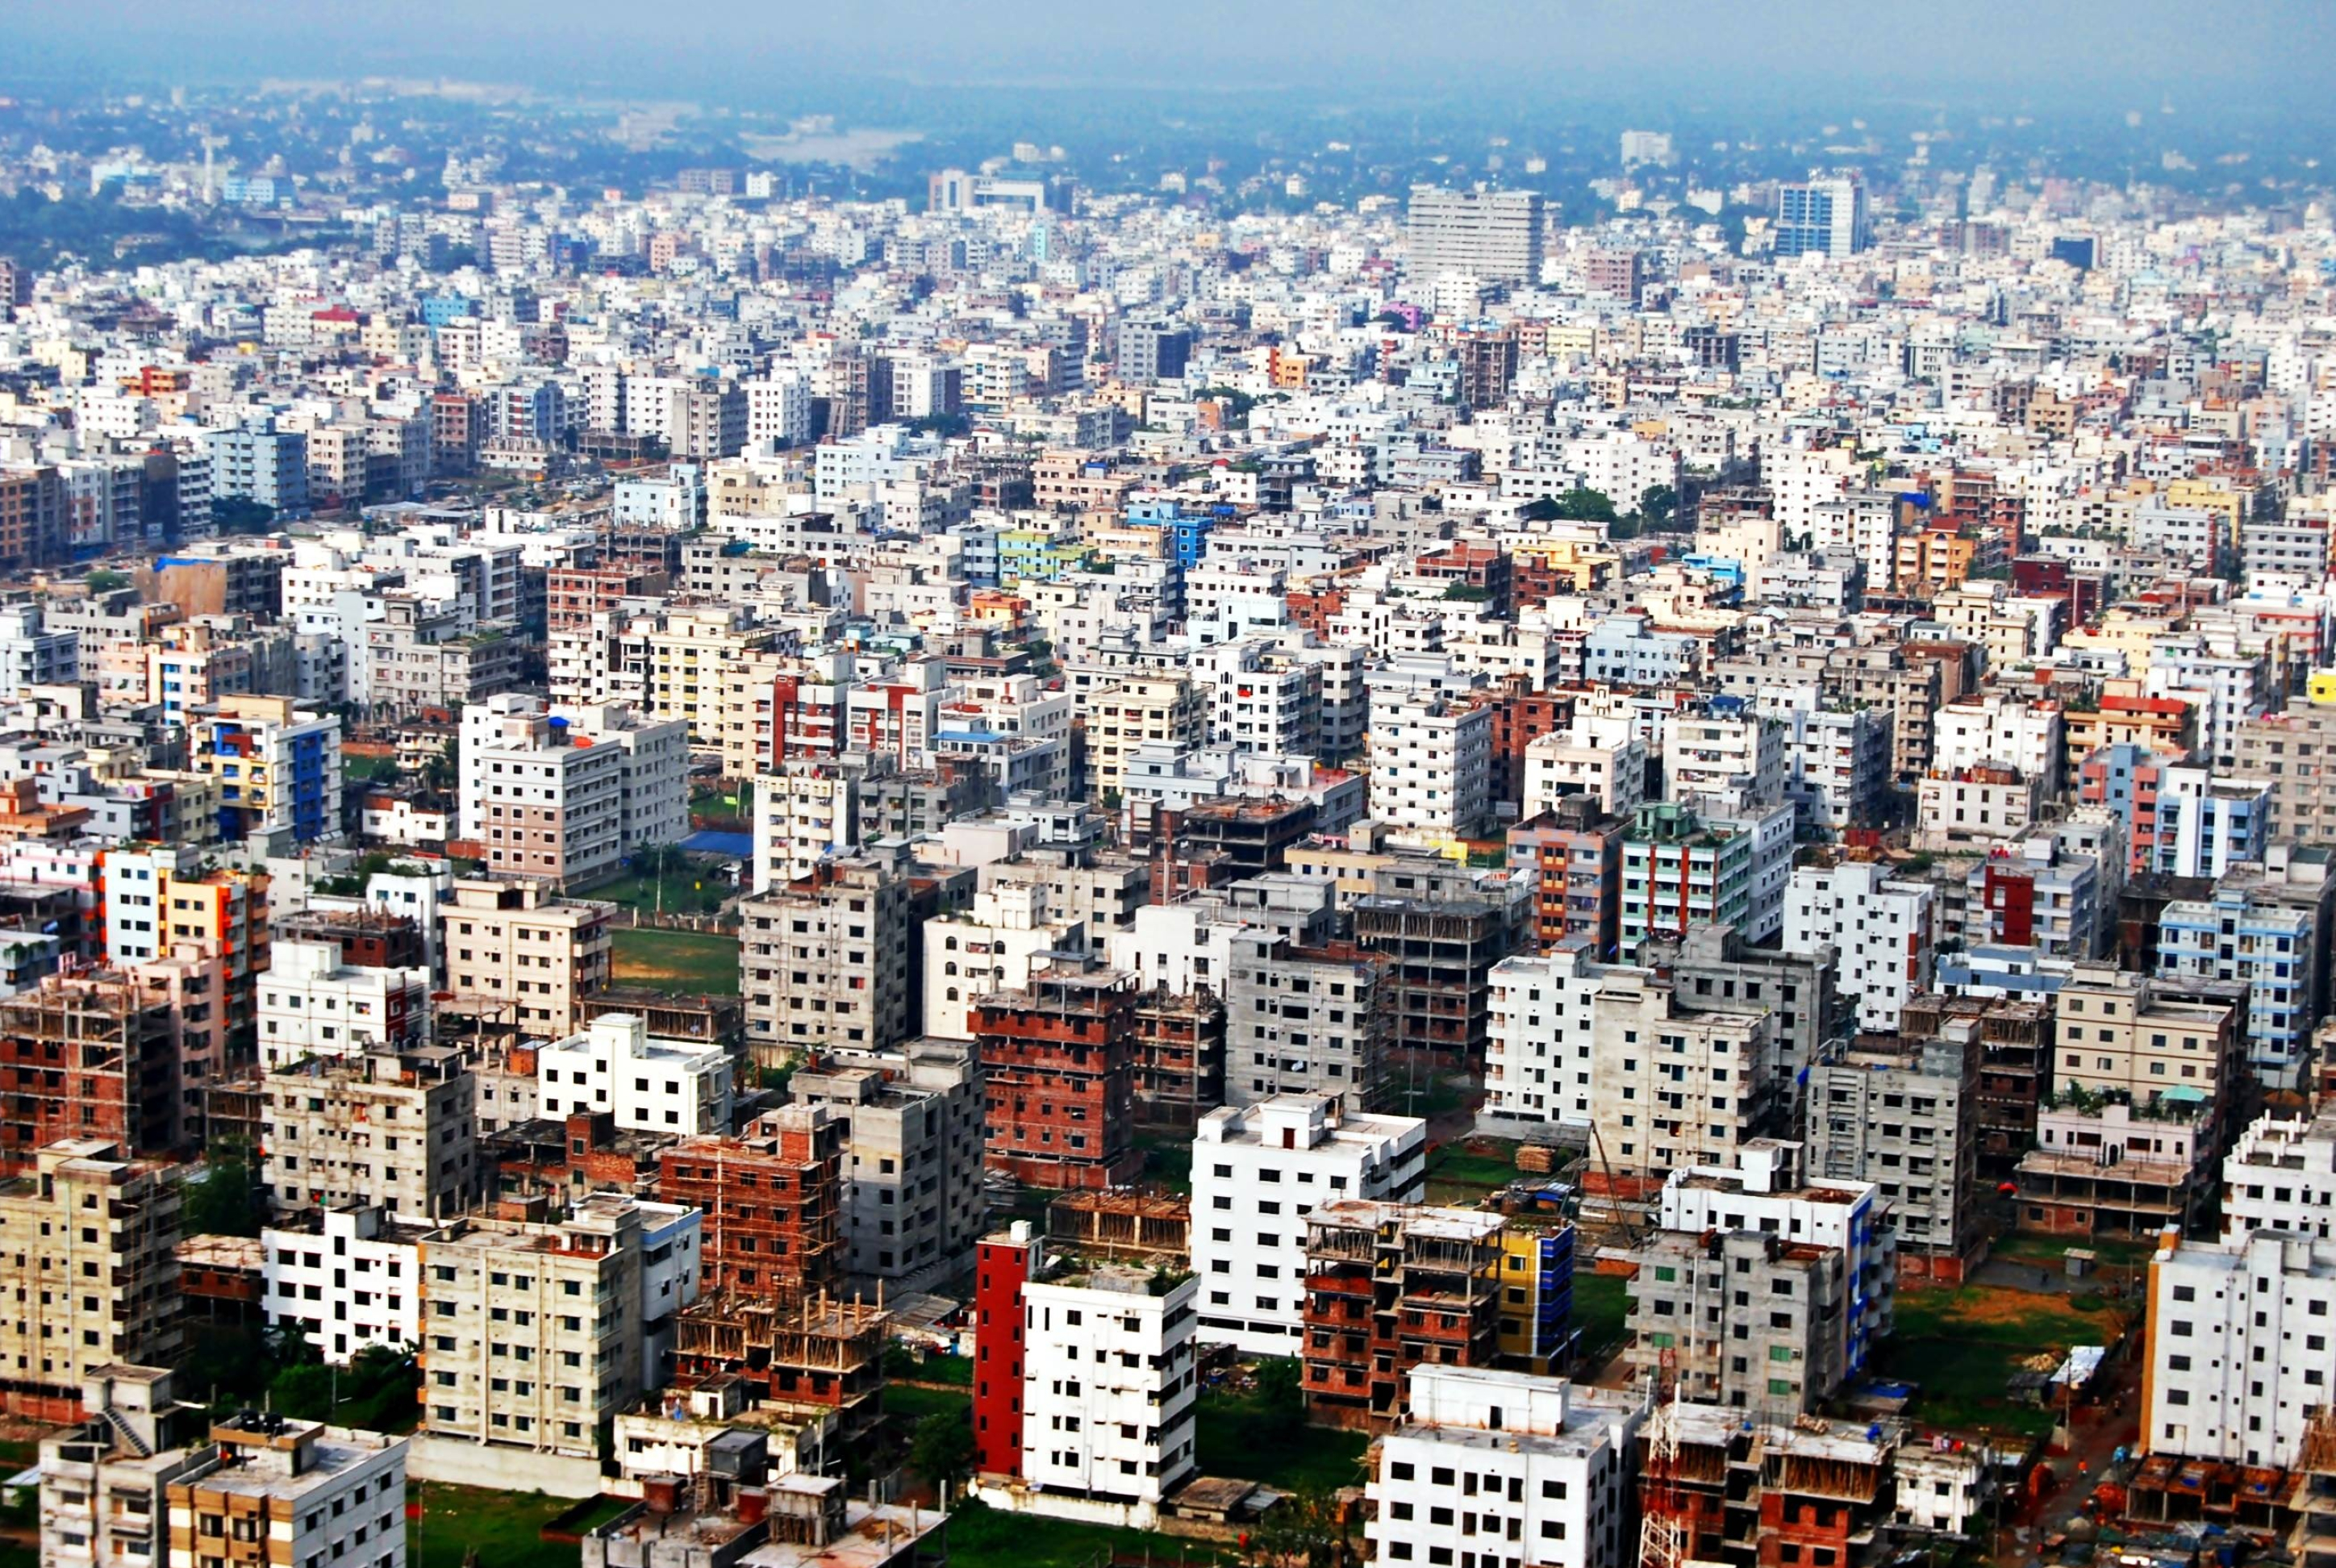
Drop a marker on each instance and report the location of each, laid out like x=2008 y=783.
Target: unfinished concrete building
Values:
x=914 y=1205
x=1180 y=1058
x=1123 y=1227
x=1744 y=1318
x=1390 y=1287
x=1440 y=954
x=1059 y=1068
x=1757 y=1494
x=1308 y=1020
x=773 y=1199
x=392 y=1132
x=819 y=1352
x=1712 y=967
x=2311 y=1496
x=88 y=1055
x=2015 y=1064
x=1903 y=1114
x=824 y=961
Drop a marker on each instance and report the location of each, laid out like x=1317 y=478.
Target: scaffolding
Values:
x=1121 y=1224
x=822 y=1352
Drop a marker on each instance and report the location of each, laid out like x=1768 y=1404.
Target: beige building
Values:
x=2120 y=1033
x=517 y=946
x=87 y=1263
x=1141 y=710
x=687 y=659
x=534 y=1335
x=823 y=962
x=311 y=1493
x=2295 y=749
x=1673 y=1086
x=384 y=1131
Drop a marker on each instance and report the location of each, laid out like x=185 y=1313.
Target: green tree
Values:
x=1659 y=507
x=224 y=1200
x=240 y=514
x=943 y=1448
x=1280 y=1398
x=1583 y=505
x=103 y=582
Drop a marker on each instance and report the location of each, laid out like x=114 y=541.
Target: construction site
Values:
x=1719 y=1487
x=1389 y=1286
x=1121 y=1226
x=817 y=1352
x=88 y=1055
x=772 y=1200
x=2015 y=1040
x=1060 y=1064
x=1180 y=1058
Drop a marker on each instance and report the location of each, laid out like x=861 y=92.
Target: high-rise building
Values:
x=1825 y=215
x=1492 y=235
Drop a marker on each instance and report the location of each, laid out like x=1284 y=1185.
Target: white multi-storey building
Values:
x=1879 y=928
x=1723 y=762
x=2281 y=1175
x=1258 y=1170
x=648 y=1084
x=1431 y=764
x=993 y=945
x=566 y=793
x=311 y=1004
x=1510 y=1467
x=352 y=1280
x=1539 y=1058
x=2240 y=1334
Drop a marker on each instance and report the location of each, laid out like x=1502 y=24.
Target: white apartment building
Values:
x=1258 y=1170
x=1540 y=1058
x=1998 y=730
x=1879 y=929
x=1560 y=764
x=566 y=793
x=1431 y=764
x=2281 y=1175
x=2239 y=1345
x=1108 y=1391
x=803 y=814
x=1510 y=1467
x=992 y=945
x=1671 y=1087
x=648 y=1084
x=297 y=1492
x=352 y=1280
x=1723 y=762
x=311 y=1004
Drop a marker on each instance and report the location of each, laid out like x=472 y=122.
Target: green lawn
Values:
x=1455 y=1173
x=501 y=1526
x=900 y=1361
x=2047 y=1251
x=371 y=769
x=1168 y=1159
x=913 y=1405
x=684 y=962
x=1602 y=1306
x=693 y=889
x=1962 y=1344
x=1233 y=1442
x=981 y=1537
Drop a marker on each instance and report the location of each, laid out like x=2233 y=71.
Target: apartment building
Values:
x=312 y=1004
x=1673 y=1084
x=1541 y=1058
x=1008 y=931
x=1084 y=1383
x=346 y=1279
x=1878 y=928
x=567 y=794
x=825 y=961
x=1724 y=758
x=773 y=1199
x=2291 y=749
x=309 y=1493
x=126 y=1086
x=1573 y=856
x=1902 y=1114
x=2127 y=1034
x=538 y=1333
x=1714 y=966
x=2237 y=1347
x=1307 y=1020
x=1431 y=770
x=86 y=1240
x=1059 y=1070
x=913 y=1160
x=278 y=769
x=1390 y=1286
x=103 y=1499
x=1741 y=1318
x=616 y=1068
x=1504 y=1464
x=1144 y=710
x=395 y=1131
x=1258 y=1170
x=517 y=950
x=2267 y=927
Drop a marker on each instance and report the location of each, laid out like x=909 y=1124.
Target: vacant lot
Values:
x=990 y=1538
x=1602 y=1306
x=1237 y=1438
x=502 y=1526
x=1468 y=1172
x=681 y=961
x=1962 y=1345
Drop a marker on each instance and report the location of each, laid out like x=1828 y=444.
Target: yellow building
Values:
x=1536 y=1297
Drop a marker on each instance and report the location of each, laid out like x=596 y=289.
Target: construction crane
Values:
x=1629 y=1231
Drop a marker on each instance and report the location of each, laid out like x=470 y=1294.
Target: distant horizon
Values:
x=2084 y=57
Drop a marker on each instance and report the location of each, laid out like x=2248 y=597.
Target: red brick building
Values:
x=772 y=1200
x=1003 y=1265
x=87 y=1056
x=1058 y=1059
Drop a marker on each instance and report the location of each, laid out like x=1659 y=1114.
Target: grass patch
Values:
x=2047 y=1251
x=502 y=1526
x=693 y=889
x=1233 y=1440
x=1470 y=1172
x=368 y=769
x=1602 y=1310
x=913 y=1405
x=900 y=1361
x=981 y=1537
x=685 y=961
x=1962 y=1345
x=1168 y=1159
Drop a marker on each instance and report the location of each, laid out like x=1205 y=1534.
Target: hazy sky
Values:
x=2273 y=52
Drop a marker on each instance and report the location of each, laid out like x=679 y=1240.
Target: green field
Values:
x=913 y=1405
x=1602 y=1306
x=991 y=1538
x=1460 y=1174
x=2047 y=1251
x=693 y=889
x=1962 y=1345
x=1167 y=1159
x=369 y=769
x=689 y=962
x=1234 y=1441
x=501 y=1526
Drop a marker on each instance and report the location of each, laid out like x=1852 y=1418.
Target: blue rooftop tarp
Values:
x=707 y=841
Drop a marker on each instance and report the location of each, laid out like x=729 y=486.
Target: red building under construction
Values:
x=1059 y=1061
x=772 y=1200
